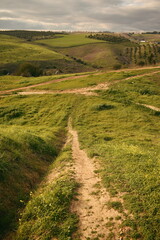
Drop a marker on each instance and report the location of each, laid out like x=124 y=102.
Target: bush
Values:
x=101 y=107
x=141 y=63
x=29 y=70
x=117 y=66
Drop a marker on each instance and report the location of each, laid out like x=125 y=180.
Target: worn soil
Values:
x=150 y=107
x=96 y=220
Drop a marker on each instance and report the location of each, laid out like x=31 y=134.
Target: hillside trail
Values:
x=96 y=220
x=89 y=91
x=150 y=107
x=69 y=78
x=48 y=82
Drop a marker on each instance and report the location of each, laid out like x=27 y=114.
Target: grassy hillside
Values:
x=76 y=52
x=94 y=52
x=47 y=214
x=32 y=134
x=93 y=79
x=124 y=136
x=100 y=55
x=15 y=51
x=37 y=181
x=12 y=82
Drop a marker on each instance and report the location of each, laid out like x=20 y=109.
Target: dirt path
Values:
x=46 y=83
x=73 y=77
x=150 y=107
x=94 y=215
x=89 y=91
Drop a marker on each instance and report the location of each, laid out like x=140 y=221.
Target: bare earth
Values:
x=90 y=206
x=151 y=107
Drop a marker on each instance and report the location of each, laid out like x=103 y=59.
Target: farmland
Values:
x=70 y=40
x=15 y=51
x=94 y=52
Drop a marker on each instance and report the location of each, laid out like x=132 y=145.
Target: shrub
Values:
x=141 y=63
x=101 y=107
x=117 y=66
x=28 y=70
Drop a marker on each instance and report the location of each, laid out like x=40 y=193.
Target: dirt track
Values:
x=45 y=83
x=150 y=107
x=91 y=203
x=75 y=77
x=87 y=90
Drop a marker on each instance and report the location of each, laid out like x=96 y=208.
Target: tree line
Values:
x=31 y=35
x=109 y=37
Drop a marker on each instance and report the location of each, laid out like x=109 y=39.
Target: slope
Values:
x=15 y=51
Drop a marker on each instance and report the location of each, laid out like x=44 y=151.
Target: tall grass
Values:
x=32 y=132
x=47 y=215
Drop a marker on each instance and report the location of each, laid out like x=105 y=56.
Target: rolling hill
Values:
x=118 y=126
x=79 y=152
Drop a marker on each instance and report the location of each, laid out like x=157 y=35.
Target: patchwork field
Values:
x=73 y=52
x=94 y=52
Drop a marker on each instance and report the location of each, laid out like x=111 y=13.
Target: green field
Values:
x=69 y=40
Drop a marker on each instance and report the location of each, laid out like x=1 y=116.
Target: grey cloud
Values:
x=114 y=15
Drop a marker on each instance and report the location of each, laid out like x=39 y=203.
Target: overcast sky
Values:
x=86 y=15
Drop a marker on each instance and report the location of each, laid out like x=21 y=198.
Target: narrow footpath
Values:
x=91 y=204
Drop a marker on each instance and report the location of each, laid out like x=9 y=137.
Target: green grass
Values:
x=32 y=134
x=11 y=82
x=143 y=90
x=69 y=40
x=93 y=80
x=47 y=215
x=125 y=139
x=14 y=50
x=25 y=157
